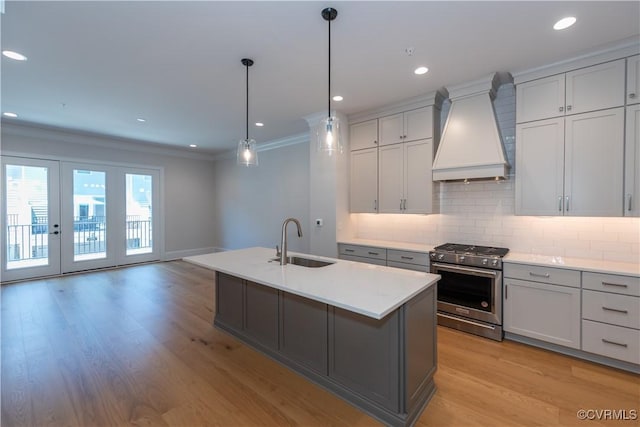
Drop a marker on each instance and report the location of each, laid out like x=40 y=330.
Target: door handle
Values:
x=55 y=232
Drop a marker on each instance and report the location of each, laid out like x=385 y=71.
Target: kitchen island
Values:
x=366 y=333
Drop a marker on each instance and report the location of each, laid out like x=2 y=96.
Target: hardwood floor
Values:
x=135 y=346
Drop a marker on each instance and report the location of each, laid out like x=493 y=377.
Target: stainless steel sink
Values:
x=304 y=262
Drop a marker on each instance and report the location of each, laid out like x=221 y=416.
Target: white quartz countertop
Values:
x=584 y=264
x=403 y=246
x=370 y=290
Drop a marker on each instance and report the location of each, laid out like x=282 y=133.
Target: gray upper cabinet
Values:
x=407 y=126
x=364 y=181
x=571 y=166
x=632 y=162
x=586 y=89
x=633 y=80
x=363 y=135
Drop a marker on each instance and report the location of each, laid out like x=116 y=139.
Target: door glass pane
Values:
x=89 y=220
x=27 y=216
x=139 y=214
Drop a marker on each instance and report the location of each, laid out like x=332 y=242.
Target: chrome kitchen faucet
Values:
x=283 y=239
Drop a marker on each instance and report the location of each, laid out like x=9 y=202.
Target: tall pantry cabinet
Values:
x=570 y=142
x=391 y=159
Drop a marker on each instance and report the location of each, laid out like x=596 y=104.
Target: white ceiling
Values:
x=177 y=64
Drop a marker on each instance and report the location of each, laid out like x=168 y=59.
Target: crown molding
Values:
x=432 y=98
x=269 y=145
x=622 y=49
x=50 y=133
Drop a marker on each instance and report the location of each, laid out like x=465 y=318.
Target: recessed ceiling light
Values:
x=259 y=124
x=141 y=120
x=564 y=23
x=14 y=55
x=193 y=145
x=338 y=98
x=421 y=70
x=9 y=114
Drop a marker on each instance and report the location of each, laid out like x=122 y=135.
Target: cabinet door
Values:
x=390 y=178
x=391 y=129
x=540 y=167
x=632 y=162
x=364 y=181
x=595 y=88
x=418 y=182
x=545 y=312
x=229 y=301
x=540 y=99
x=594 y=145
x=363 y=135
x=633 y=80
x=364 y=355
x=303 y=331
x=261 y=314
x=418 y=124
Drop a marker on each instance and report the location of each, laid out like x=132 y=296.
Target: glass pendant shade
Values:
x=328 y=136
x=247 y=153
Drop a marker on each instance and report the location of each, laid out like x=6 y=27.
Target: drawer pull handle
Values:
x=349 y=250
x=373 y=253
x=545 y=275
x=614 y=343
x=406 y=257
x=617 y=310
x=618 y=285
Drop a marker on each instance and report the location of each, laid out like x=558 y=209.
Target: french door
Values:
x=62 y=217
x=31 y=218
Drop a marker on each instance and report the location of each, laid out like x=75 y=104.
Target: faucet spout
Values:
x=283 y=240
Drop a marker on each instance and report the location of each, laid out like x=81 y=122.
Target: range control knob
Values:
x=432 y=254
x=441 y=256
x=494 y=262
x=485 y=261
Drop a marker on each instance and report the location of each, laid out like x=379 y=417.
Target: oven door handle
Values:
x=469 y=270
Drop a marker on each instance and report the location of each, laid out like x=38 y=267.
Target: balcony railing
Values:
x=31 y=241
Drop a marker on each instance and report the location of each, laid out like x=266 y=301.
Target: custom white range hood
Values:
x=471 y=146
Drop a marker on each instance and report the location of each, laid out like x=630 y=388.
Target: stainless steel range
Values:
x=470 y=290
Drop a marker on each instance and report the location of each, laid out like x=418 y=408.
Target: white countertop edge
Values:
x=583 y=264
x=387 y=244
x=333 y=302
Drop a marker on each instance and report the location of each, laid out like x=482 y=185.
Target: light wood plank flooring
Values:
x=135 y=346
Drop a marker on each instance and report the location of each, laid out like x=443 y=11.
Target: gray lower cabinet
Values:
x=261 y=314
x=229 y=301
x=365 y=355
x=384 y=367
x=303 y=331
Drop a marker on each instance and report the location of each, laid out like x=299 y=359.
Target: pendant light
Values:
x=328 y=131
x=247 y=154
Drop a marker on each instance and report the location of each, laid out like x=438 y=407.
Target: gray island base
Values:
x=366 y=333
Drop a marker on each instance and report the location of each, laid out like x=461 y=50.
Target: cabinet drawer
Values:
x=613 y=283
x=414 y=267
x=363 y=251
x=611 y=341
x=557 y=276
x=363 y=259
x=615 y=309
x=408 y=257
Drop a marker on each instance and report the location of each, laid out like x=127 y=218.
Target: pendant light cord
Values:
x=329 y=73
x=247 y=115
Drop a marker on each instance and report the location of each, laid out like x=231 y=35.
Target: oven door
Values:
x=474 y=293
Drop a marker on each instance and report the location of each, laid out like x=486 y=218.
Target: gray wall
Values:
x=250 y=204
x=188 y=182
